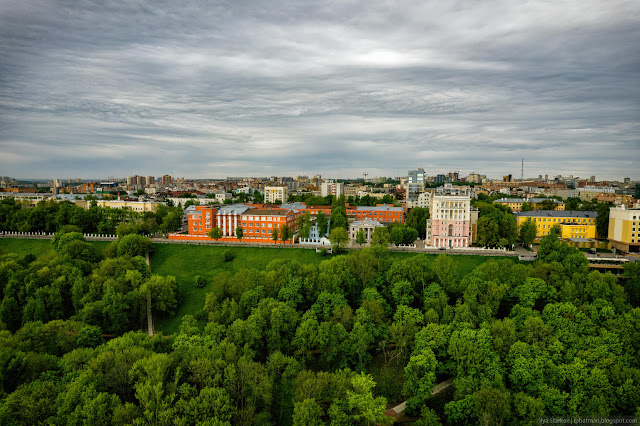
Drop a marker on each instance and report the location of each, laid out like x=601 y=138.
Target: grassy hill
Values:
x=185 y=261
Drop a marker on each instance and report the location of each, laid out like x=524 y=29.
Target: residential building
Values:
x=515 y=204
x=624 y=228
x=331 y=187
x=166 y=180
x=590 y=192
x=450 y=222
x=475 y=178
x=415 y=184
x=136 y=206
x=574 y=224
x=424 y=200
x=367 y=225
x=275 y=193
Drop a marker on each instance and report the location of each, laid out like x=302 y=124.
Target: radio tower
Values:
x=522 y=170
x=365 y=176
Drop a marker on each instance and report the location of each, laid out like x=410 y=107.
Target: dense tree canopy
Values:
x=328 y=343
x=52 y=216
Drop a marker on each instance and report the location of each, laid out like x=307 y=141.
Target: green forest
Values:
x=52 y=216
x=336 y=341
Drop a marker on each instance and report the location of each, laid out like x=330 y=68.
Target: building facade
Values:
x=331 y=187
x=275 y=193
x=257 y=224
x=366 y=225
x=449 y=225
x=415 y=184
x=624 y=228
x=574 y=224
x=515 y=204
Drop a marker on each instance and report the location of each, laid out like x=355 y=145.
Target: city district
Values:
x=447 y=208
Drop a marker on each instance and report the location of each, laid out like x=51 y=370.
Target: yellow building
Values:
x=515 y=204
x=624 y=228
x=574 y=224
x=136 y=206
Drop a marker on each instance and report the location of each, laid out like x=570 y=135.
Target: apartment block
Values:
x=275 y=193
x=624 y=228
x=331 y=187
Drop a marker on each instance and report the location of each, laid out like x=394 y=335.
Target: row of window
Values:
x=557 y=220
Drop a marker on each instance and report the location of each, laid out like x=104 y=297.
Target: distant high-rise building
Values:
x=507 y=178
x=331 y=187
x=166 y=180
x=415 y=184
x=151 y=180
x=592 y=179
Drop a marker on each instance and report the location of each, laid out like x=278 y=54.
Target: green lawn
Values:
x=185 y=261
x=24 y=247
x=38 y=248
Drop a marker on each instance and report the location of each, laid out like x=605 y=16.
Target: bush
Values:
x=111 y=250
x=90 y=337
x=133 y=245
x=60 y=239
x=228 y=255
x=199 y=281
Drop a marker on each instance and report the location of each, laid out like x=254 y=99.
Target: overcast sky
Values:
x=214 y=89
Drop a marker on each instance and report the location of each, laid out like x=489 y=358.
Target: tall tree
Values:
x=528 y=232
x=360 y=237
x=339 y=237
x=286 y=233
x=339 y=217
x=380 y=236
x=215 y=233
x=239 y=233
x=417 y=219
x=322 y=223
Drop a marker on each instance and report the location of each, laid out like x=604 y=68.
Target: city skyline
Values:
x=250 y=88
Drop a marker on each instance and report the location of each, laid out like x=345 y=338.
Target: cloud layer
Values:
x=198 y=89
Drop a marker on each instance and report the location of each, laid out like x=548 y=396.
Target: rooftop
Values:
x=557 y=213
x=383 y=207
x=235 y=209
x=268 y=212
x=530 y=200
x=367 y=221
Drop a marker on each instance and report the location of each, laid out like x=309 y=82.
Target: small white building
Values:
x=367 y=225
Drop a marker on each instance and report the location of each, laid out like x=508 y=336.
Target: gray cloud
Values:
x=195 y=89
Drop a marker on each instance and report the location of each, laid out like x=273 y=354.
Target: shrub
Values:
x=199 y=281
x=228 y=255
